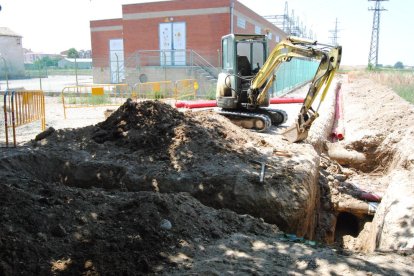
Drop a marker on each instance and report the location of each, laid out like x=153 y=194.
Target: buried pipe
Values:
x=367 y=196
x=338 y=129
x=358 y=208
x=345 y=157
x=370 y=197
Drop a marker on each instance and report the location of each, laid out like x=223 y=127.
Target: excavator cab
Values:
x=242 y=57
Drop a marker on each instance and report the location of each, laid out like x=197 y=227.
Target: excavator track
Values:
x=255 y=121
x=277 y=116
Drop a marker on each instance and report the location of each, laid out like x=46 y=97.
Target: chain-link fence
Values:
x=293 y=74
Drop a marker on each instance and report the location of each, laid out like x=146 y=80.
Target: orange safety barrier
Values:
x=21 y=108
x=158 y=90
x=186 y=89
x=162 y=90
x=95 y=95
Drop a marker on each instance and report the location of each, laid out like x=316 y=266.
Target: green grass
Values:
x=153 y=95
x=405 y=91
x=401 y=81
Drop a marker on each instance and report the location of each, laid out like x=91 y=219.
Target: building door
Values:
x=116 y=60
x=172 y=43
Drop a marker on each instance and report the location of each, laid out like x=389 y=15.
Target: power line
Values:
x=290 y=24
x=334 y=33
x=373 y=52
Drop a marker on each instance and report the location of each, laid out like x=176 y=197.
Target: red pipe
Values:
x=286 y=100
x=338 y=130
x=201 y=104
x=179 y=104
x=370 y=197
x=196 y=104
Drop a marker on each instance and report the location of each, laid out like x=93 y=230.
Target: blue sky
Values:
x=55 y=25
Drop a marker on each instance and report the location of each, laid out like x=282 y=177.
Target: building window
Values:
x=269 y=36
x=18 y=41
x=241 y=22
x=116 y=60
x=257 y=30
x=277 y=38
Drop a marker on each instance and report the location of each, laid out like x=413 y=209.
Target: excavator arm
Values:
x=294 y=47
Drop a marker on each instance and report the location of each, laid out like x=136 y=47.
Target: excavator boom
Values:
x=294 y=47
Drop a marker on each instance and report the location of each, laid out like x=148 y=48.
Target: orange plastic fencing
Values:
x=21 y=108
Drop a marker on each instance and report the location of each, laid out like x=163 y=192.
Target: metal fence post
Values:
x=117 y=68
x=76 y=75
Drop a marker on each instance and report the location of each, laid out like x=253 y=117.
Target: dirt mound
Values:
x=143 y=124
x=49 y=228
x=155 y=126
x=108 y=200
x=149 y=146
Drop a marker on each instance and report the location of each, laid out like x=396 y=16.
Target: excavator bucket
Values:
x=295 y=134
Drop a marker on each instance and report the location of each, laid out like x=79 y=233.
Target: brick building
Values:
x=172 y=35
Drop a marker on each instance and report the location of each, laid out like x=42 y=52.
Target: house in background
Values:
x=81 y=53
x=31 y=57
x=12 y=57
x=79 y=63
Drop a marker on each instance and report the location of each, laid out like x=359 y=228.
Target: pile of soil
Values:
x=159 y=130
x=150 y=146
x=48 y=228
x=153 y=190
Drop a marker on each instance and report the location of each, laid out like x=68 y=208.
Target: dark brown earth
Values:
x=67 y=205
x=148 y=191
x=48 y=228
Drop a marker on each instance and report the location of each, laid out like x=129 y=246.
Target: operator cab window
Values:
x=227 y=54
x=258 y=57
x=250 y=57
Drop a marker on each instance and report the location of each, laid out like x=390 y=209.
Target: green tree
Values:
x=399 y=65
x=49 y=62
x=73 y=53
x=39 y=63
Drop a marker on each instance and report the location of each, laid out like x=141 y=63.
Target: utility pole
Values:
x=334 y=33
x=373 y=52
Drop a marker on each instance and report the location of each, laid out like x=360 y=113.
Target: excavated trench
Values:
x=150 y=146
x=167 y=157
x=347 y=207
x=79 y=170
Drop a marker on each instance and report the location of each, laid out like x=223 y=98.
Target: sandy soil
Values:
x=67 y=207
x=378 y=124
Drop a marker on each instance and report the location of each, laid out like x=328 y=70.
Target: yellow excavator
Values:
x=243 y=91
